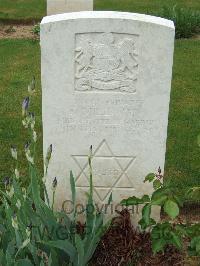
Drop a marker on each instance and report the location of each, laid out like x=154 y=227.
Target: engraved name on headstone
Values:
x=106 y=79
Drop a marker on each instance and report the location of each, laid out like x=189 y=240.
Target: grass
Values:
x=183 y=153
x=143 y=6
x=22 y=9
x=185 y=14
x=186 y=20
x=182 y=158
x=36 y=9
x=17 y=69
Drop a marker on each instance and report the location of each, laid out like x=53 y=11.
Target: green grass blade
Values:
x=110 y=199
x=80 y=250
x=73 y=190
x=65 y=246
x=35 y=188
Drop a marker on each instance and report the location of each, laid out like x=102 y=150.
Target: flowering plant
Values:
x=31 y=231
x=171 y=230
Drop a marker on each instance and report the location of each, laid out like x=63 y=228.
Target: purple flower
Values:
x=27 y=145
x=48 y=156
x=91 y=150
x=25 y=105
x=50 y=148
x=6 y=181
x=159 y=170
x=55 y=182
x=31 y=115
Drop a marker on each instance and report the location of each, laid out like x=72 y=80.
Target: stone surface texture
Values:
x=64 y=6
x=106 y=79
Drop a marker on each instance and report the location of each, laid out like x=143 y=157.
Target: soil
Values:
x=189 y=213
x=124 y=245
x=24 y=30
x=11 y=31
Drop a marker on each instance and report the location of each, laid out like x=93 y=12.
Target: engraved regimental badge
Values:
x=106 y=62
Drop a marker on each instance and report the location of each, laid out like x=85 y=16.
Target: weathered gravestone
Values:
x=64 y=6
x=106 y=79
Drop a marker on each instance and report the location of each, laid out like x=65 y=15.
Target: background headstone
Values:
x=106 y=79
x=64 y=6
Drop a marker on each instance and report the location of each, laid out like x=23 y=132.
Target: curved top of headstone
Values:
x=108 y=14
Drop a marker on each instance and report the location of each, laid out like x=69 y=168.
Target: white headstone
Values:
x=106 y=79
x=64 y=6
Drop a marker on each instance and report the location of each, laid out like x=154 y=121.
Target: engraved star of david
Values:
x=109 y=171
